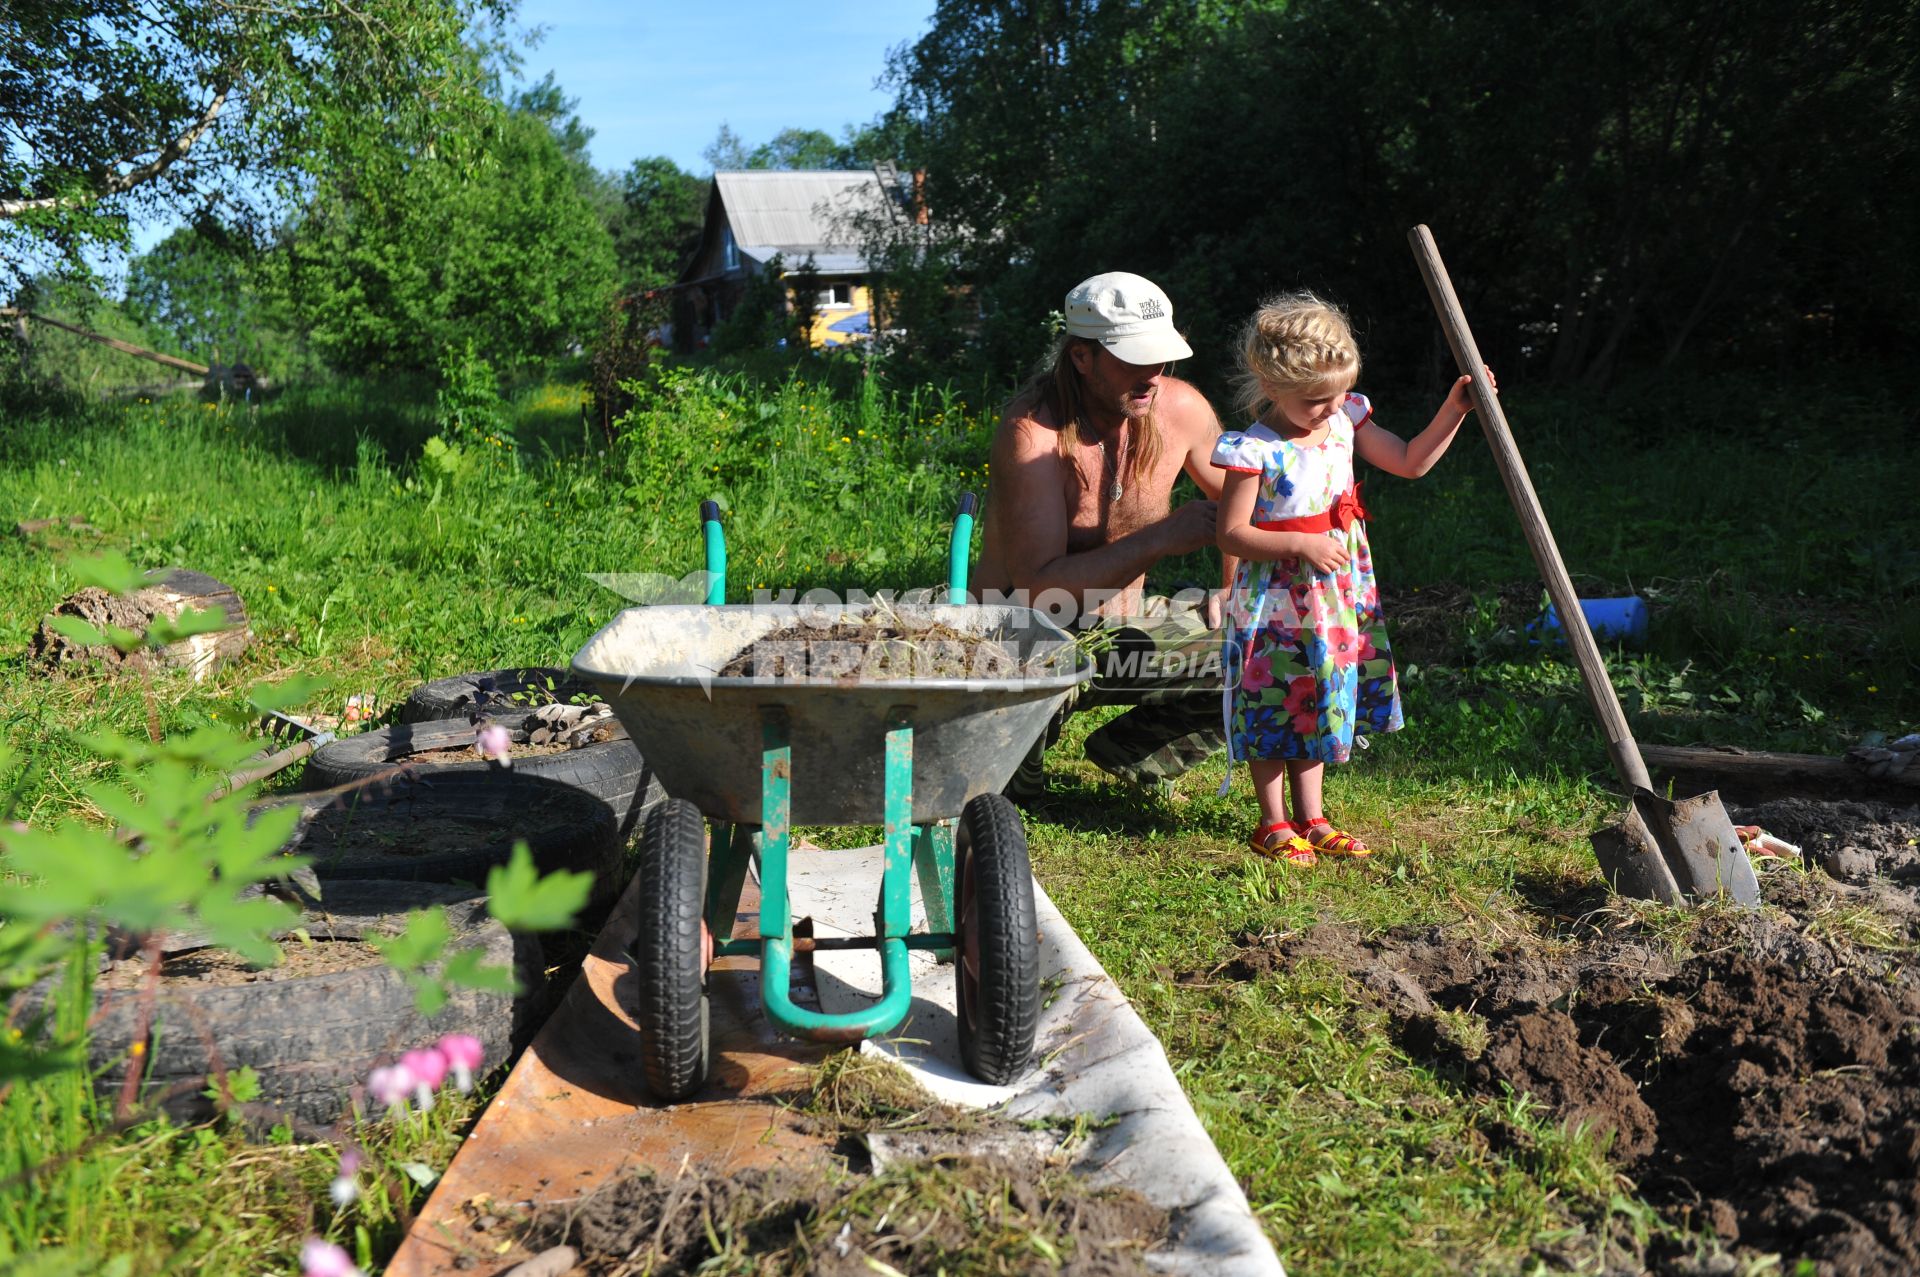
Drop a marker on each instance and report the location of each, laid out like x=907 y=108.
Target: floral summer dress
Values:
x=1307 y=658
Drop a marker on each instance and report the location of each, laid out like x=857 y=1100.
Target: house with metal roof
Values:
x=757 y=215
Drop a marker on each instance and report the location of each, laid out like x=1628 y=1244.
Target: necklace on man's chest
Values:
x=1119 y=463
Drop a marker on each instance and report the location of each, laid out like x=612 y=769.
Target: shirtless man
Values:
x=1083 y=468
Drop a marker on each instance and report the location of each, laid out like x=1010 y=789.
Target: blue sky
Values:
x=659 y=78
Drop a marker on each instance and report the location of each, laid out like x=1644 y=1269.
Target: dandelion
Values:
x=320 y=1258
x=391 y=1086
x=343 y=1190
x=495 y=742
x=429 y=1069
x=1872 y=688
x=463 y=1054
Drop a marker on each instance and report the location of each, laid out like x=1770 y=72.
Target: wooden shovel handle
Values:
x=1533 y=521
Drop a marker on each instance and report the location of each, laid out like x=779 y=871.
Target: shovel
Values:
x=1674 y=852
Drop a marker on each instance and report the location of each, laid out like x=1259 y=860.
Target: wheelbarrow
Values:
x=924 y=757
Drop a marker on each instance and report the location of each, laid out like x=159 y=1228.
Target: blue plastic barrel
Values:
x=1622 y=620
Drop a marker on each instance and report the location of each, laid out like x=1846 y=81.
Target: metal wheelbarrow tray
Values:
x=911 y=754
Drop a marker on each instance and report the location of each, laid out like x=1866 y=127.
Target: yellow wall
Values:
x=826 y=317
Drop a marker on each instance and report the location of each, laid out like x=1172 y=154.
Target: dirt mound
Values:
x=1888 y=835
x=1759 y=1076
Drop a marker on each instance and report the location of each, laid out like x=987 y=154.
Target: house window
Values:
x=836 y=296
x=729 y=251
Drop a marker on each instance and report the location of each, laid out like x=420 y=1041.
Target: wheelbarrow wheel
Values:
x=670 y=952
x=998 y=959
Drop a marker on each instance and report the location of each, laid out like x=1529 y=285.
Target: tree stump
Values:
x=168 y=593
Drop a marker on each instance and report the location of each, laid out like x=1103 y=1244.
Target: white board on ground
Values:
x=1093 y=1056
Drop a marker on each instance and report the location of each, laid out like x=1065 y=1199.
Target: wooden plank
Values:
x=1763 y=767
x=574 y=1111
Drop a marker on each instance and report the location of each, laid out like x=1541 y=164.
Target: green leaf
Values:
x=248 y=850
x=243 y=1083
x=247 y=926
x=267 y=697
x=420 y=1173
x=124 y=640
x=75 y=630
x=423 y=940
x=192 y=621
x=429 y=996
x=110 y=571
x=521 y=900
x=465 y=969
x=23 y=1061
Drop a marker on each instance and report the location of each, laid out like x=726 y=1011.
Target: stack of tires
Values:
x=433 y=744
x=395 y=830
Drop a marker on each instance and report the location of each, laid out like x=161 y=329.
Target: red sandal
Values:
x=1281 y=841
x=1328 y=841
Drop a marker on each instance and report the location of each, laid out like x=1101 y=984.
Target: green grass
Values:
x=1782 y=565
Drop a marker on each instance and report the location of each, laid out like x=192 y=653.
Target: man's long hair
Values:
x=1055 y=385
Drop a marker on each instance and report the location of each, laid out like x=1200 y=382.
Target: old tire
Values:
x=611 y=770
x=425 y=832
x=997 y=962
x=670 y=952
x=528 y=686
x=312 y=1039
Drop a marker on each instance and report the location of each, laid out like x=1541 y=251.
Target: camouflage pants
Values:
x=1166 y=664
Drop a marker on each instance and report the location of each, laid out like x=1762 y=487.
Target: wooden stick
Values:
x=125 y=347
x=1625 y=753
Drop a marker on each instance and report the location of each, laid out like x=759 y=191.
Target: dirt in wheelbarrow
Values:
x=922 y=1188
x=1758 y=1073
x=876 y=649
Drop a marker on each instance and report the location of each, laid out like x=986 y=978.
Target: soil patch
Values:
x=1432 y=622
x=875 y=650
x=978 y=1194
x=1886 y=834
x=469 y=753
x=1759 y=1077
x=345 y=833
x=218 y=966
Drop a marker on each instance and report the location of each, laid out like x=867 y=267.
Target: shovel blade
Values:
x=1676 y=852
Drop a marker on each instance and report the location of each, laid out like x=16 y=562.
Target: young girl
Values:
x=1308 y=662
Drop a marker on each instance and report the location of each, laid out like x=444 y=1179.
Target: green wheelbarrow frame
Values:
x=924 y=849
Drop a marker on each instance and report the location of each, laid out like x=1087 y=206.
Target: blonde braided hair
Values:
x=1295 y=341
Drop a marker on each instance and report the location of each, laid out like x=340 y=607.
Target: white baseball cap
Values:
x=1128 y=315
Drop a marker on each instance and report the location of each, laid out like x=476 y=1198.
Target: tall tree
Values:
x=1615 y=181
x=110 y=110
x=662 y=211
x=506 y=253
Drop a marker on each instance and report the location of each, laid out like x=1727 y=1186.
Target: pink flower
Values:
x=496 y=742
x=391 y=1086
x=1343 y=645
x=320 y=1258
x=343 y=1190
x=1258 y=674
x=463 y=1053
x=428 y=1068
